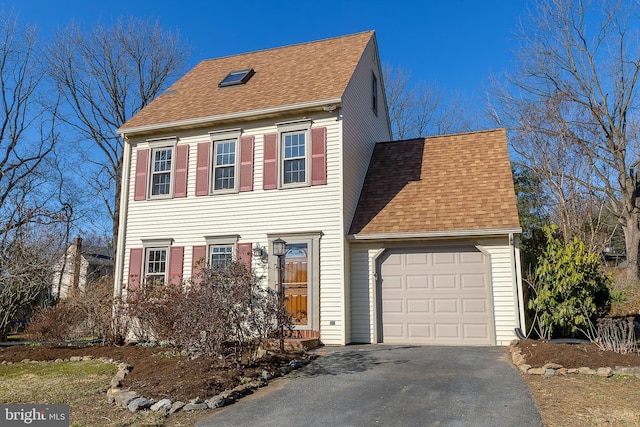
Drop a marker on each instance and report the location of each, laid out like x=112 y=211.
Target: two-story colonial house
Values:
x=272 y=144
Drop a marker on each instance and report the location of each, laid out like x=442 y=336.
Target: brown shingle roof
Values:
x=284 y=76
x=447 y=183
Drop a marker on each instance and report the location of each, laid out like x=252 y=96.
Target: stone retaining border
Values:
x=132 y=400
x=551 y=369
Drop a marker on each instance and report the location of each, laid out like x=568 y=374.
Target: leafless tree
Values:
x=107 y=75
x=422 y=109
x=572 y=105
x=25 y=273
x=27 y=128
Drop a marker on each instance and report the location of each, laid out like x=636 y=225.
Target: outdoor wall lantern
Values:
x=279 y=250
x=258 y=251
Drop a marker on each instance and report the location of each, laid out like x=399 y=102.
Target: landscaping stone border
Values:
x=131 y=400
x=551 y=369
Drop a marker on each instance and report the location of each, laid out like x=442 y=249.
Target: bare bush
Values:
x=90 y=314
x=617 y=335
x=225 y=313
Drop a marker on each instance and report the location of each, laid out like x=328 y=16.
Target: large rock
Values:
x=216 y=402
x=139 y=403
x=190 y=407
x=162 y=404
x=176 y=407
x=123 y=399
x=605 y=372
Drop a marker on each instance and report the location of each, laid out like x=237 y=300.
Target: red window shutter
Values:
x=270 y=171
x=135 y=268
x=246 y=163
x=198 y=261
x=202 y=169
x=176 y=257
x=318 y=156
x=244 y=254
x=182 y=161
x=142 y=159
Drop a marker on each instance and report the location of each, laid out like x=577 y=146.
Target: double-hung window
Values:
x=155 y=266
x=221 y=250
x=294 y=157
x=224 y=164
x=294 y=153
x=220 y=256
x=161 y=159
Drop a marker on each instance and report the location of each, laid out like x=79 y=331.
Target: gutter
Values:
x=231 y=116
x=434 y=234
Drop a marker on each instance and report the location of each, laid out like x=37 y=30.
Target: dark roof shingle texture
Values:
x=439 y=184
x=283 y=76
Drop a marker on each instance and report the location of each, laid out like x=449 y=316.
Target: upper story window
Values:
x=374 y=93
x=238 y=77
x=161 y=171
x=224 y=165
x=224 y=160
x=294 y=157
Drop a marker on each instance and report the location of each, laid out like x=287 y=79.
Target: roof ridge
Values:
x=423 y=138
x=288 y=46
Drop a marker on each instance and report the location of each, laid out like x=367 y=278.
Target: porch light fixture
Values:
x=279 y=250
x=279 y=247
x=258 y=251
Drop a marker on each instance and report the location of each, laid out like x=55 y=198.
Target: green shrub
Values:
x=569 y=289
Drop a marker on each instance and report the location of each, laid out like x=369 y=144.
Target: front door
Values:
x=296 y=284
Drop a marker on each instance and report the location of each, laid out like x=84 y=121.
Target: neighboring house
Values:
x=80 y=266
x=276 y=144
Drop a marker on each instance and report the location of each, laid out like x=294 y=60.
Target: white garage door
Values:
x=435 y=297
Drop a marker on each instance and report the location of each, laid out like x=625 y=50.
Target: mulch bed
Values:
x=537 y=353
x=157 y=372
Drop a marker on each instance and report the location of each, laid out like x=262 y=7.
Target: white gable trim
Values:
x=232 y=116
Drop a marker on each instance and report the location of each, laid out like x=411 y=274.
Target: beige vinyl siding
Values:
x=361 y=128
x=502 y=280
x=253 y=215
x=363 y=282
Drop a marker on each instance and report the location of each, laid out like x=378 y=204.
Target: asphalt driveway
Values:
x=367 y=385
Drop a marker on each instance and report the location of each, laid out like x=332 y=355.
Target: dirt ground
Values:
x=537 y=353
x=571 y=400
x=157 y=372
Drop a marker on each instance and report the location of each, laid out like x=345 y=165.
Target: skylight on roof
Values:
x=239 y=77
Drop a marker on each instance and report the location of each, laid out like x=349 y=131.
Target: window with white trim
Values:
x=294 y=153
x=221 y=250
x=220 y=256
x=155 y=266
x=294 y=157
x=224 y=165
x=161 y=171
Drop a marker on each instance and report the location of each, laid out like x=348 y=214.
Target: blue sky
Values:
x=455 y=43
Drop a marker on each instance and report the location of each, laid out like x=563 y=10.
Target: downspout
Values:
x=521 y=307
x=124 y=207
